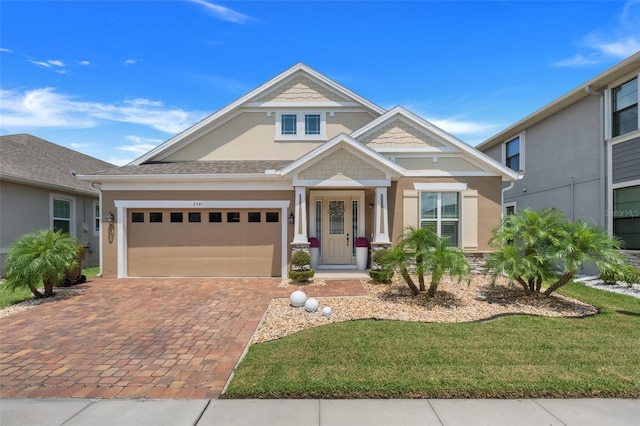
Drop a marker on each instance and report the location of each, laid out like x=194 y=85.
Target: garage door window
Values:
x=233 y=217
x=273 y=217
x=155 y=217
x=194 y=217
x=215 y=217
x=137 y=217
x=254 y=217
x=176 y=217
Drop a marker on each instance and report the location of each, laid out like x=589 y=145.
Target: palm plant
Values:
x=418 y=242
x=537 y=247
x=443 y=259
x=41 y=258
x=426 y=253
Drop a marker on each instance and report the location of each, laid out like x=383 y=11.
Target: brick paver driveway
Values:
x=138 y=338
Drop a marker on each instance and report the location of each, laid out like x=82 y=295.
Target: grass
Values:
x=512 y=357
x=8 y=297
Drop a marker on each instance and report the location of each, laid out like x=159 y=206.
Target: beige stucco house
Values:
x=298 y=157
x=39 y=190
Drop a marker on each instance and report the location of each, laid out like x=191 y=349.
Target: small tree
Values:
x=41 y=258
x=537 y=247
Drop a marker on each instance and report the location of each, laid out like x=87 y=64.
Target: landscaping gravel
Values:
x=621 y=288
x=455 y=301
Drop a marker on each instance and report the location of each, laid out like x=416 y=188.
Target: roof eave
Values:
x=179 y=177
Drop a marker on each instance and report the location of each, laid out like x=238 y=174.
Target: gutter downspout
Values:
x=603 y=158
x=505 y=189
x=99 y=188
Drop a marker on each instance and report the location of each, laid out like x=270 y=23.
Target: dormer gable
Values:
x=298 y=90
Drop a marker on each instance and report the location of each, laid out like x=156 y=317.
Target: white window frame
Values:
x=439 y=219
x=72 y=211
x=608 y=109
x=301 y=126
x=97 y=216
x=521 y=136
x=507 y=205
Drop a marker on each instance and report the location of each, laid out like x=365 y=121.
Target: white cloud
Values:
x=140 y=145
x=84 y=63
x=617 y=41
x=5 y=50
x=45 y=107
x=224 y=13
x=128 y=62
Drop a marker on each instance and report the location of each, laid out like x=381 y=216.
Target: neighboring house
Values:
x=298 y=157
x=581 y=154
x=39 y=190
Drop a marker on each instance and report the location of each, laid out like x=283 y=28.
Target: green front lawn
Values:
x=8 y=298
x=521 y=356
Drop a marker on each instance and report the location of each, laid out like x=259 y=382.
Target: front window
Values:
x=289 y=124
x=512 y=154
x=301 y=125
x=626 y=216
x=625 y=108
x=62 y=215
x=312 y=124
x=440 y=211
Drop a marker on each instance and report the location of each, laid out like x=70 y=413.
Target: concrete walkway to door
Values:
x=139 y=338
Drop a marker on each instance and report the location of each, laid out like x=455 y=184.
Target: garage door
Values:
x=203 y=243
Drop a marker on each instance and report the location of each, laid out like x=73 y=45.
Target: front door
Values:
x=337 y=233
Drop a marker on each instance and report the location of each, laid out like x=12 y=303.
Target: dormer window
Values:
x=289 y=124
x=301 y=126
x=312 y=124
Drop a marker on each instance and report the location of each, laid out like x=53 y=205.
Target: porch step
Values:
x=341 y=274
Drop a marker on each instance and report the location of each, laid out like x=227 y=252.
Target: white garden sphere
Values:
x=311 y=305
x=326 y=312
x=297 y=299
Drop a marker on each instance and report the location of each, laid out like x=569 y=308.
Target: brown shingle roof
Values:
x=196 y=168
x=26 y=157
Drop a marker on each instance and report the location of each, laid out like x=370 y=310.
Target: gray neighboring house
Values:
x=581 y=154
x=39 y=190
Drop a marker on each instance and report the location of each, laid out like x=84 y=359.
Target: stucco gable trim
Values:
x=185 y=137
x=363 y=152
x=472 y=154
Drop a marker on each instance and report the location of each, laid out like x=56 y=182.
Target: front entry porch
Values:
x=336 y=218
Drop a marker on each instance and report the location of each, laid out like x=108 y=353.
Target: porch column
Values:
x=381 y=233
x=300 y=213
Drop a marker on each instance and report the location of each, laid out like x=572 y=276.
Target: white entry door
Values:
x=337 y=232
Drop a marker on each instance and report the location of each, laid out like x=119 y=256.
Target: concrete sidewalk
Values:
x=369 y=412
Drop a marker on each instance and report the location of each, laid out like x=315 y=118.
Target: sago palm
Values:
x=41 y=258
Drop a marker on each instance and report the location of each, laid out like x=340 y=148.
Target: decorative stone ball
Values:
x=297 y=299
x=311 y=305
x=326 y=312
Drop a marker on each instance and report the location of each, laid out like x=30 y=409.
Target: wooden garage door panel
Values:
x=203 y=249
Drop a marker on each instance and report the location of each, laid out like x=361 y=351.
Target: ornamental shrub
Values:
x=380 y=272
x=300 y=260
x=625 y=273
x=301 y=267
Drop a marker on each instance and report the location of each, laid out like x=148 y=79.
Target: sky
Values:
x=113 y=79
